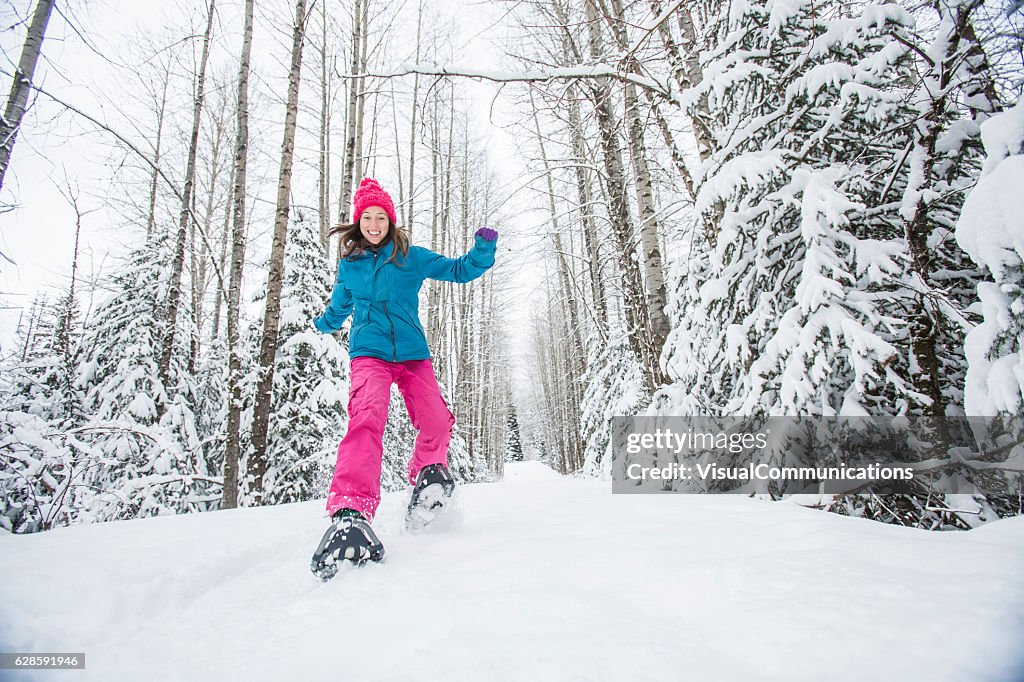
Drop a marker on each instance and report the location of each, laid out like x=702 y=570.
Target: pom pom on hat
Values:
x=370 y=193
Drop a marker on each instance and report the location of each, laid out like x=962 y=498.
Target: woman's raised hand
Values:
x=487 y=233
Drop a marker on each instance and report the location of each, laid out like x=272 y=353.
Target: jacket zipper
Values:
x=394 y=348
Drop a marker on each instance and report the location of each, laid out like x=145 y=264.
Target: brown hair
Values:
x=352 y=243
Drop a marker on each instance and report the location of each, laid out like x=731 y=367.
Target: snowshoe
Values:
x=349 y=538
x=430 y=496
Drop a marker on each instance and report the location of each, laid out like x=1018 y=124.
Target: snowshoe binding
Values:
x=430 y=496
x=349 y=538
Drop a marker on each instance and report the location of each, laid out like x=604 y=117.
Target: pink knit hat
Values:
x=370 y=193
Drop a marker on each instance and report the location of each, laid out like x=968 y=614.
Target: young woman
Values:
x=379 y=278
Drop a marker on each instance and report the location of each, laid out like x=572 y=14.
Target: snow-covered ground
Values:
x=533 y=578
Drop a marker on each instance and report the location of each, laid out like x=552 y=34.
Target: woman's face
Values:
x=374 y=224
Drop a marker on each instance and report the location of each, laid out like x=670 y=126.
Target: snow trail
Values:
x=536 y=577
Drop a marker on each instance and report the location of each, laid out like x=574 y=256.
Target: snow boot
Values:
x=349 y=538
x=430 y=496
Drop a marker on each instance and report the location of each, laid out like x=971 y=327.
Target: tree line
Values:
x=750 y=209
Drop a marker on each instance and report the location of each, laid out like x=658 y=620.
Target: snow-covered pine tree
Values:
x=615 y=386
x=39 y=401
x=459 y=461
x=398 y=441
x=42 y=367
x=513 y=440
x=990 y=229
x=805 y=294
x=37 y=469
x=67 y=349
x=310 y=380
x=142 y=463
x=954 y=94
x=33 y=371
x=210 y=416
x=784 y=308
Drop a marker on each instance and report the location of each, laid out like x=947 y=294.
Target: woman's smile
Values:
x=374 y=224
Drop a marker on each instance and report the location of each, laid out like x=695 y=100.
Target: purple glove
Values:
x=487 y=233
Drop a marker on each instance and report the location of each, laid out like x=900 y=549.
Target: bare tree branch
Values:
x=142 y=155
x=580 y=72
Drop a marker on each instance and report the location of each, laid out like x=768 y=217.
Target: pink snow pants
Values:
x=356 y=483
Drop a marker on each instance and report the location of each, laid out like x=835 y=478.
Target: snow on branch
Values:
x=581 y=72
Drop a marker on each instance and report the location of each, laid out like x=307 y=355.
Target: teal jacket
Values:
x=383 y=297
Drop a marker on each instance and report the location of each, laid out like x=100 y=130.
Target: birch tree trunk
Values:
x=162 y=107
x=433 y=311
x=446 y=187
x=678 y=160
x=178 y=262
x=638 y=331
x=463 y=296
x=592 y=244
x=571 y=54
x=222 y=257
x=653 y=265
x=348 y=163
x=22 y=83
x=361 y=100
x=271 y=319
x=202 y=257
x=576 y=365
x=193 y=281
x=933 y=100
x=368 y=150
x=324 y=179
x=232 y=445
x=684 y=58
x=409 y=212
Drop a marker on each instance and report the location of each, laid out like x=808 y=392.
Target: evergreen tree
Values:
x=39 y=401
x=37 y=470
x=25 y=364
x=67 y=350
x=399 y=440
x=211 y=413
x=41 y=369
x=954 y=94
x=310 y=379
x=989 y=229
x=812 y=292
x=787 y=303
x=513 y=442
x=143 y=432
x=615 y=386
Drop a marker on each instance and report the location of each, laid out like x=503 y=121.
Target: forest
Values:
x=735 y=208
